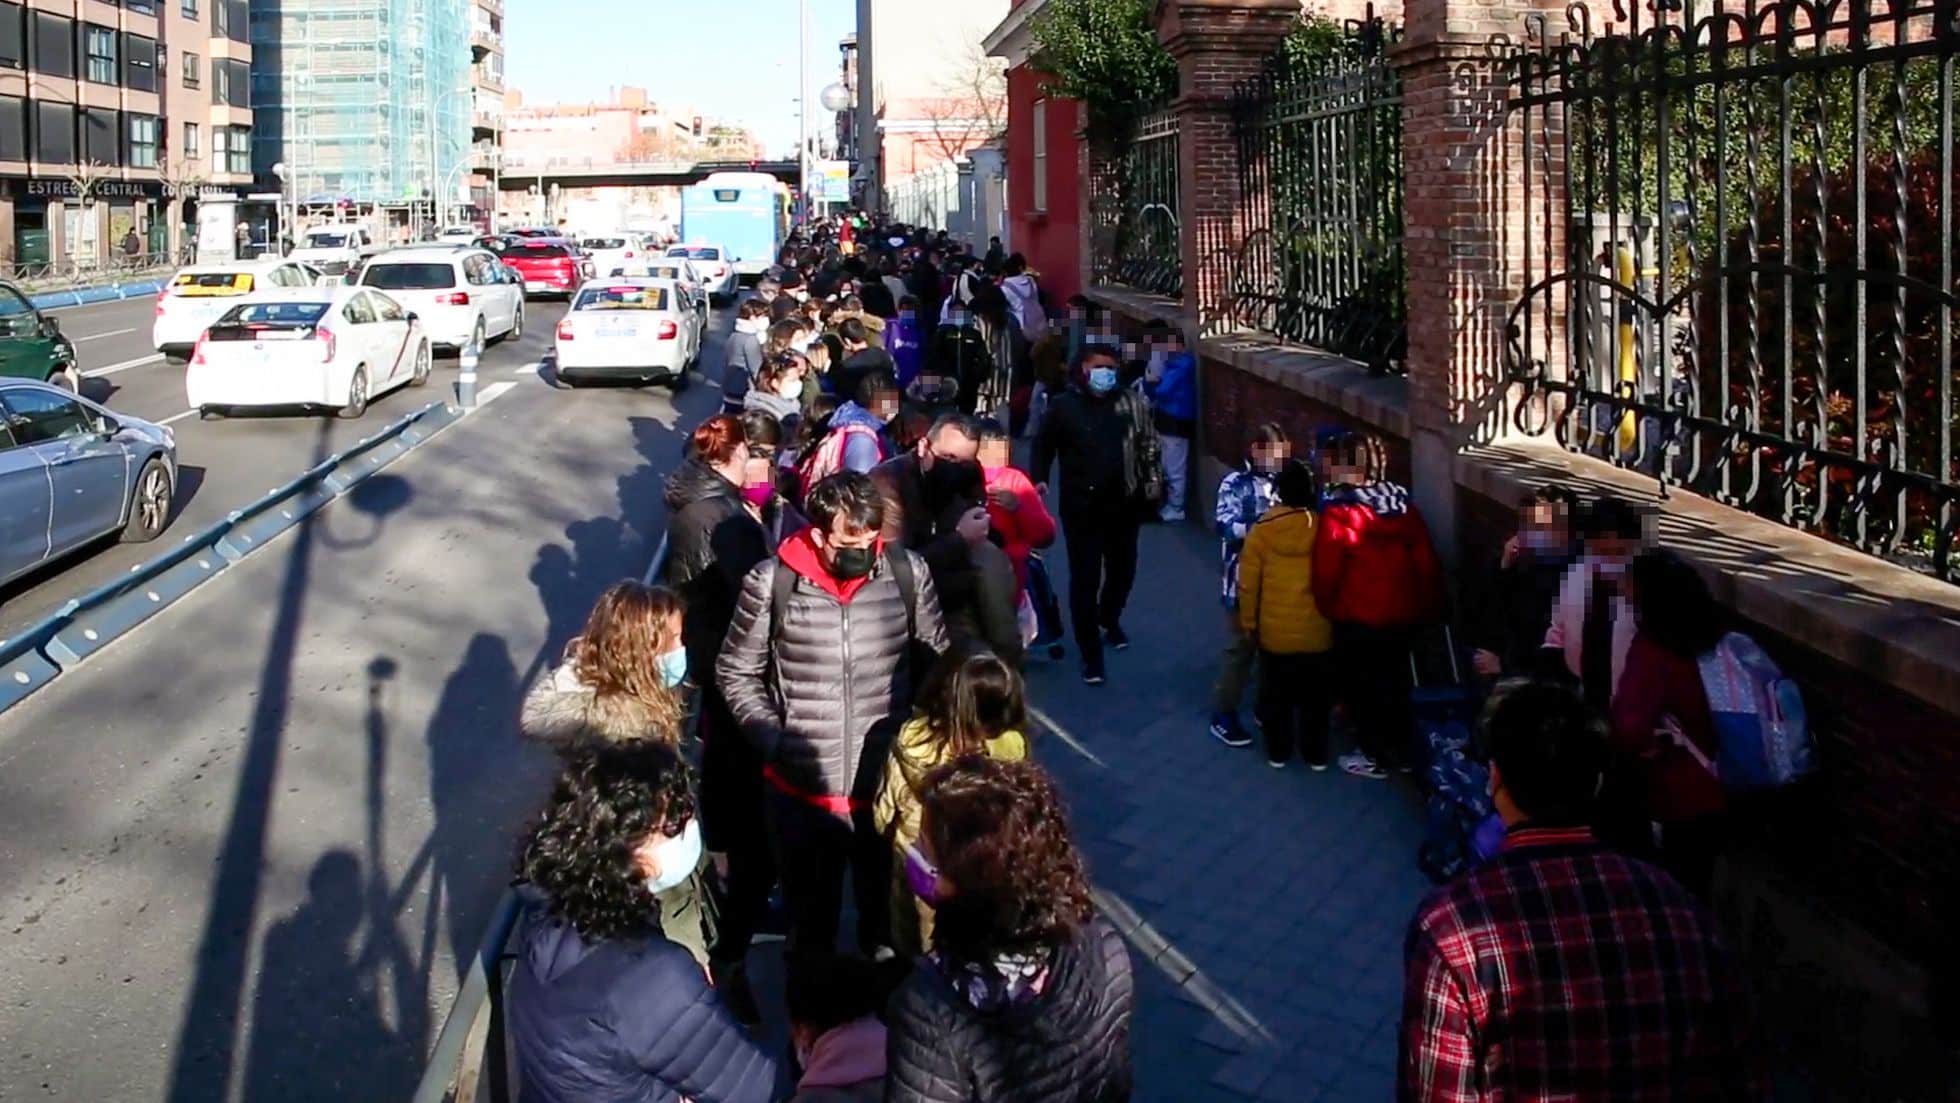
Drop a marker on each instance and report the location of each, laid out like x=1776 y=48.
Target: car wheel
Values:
x=516 y=324
x=149 y=510
x=357 y=395
x=477 y=334
x=422 y=367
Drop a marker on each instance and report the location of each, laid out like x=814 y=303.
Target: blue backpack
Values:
x=1761 y=732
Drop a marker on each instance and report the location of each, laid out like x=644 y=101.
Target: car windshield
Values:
x=408 y=277
x=536 y=250
x=603 y=243
x=703 y=254
x=622 y=297
x=325 y=241
x=290 y=314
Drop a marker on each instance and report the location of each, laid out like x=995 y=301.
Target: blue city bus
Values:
x=743 y=212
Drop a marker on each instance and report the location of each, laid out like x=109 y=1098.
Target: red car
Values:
x=549 y=265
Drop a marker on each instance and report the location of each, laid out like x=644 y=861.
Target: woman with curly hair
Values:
x=973 y=703
x=1026 y=994
x=602 y=1005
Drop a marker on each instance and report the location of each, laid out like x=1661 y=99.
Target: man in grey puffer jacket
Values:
x=819 y=668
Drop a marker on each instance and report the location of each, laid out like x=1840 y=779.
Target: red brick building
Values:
x=1044 y=189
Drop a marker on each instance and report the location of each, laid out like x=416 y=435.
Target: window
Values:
x=38 y=415
x=141 y=7
x=220 y=80
x=99 y=138
x=54 y=45
x=358 y=310
x=231 y=82
x=139 y=62
x=193 y=71
x=54 y=132
x=17 y=319
x=237 y=23
x=13 y=128
x=100 y=46
x=408 y=276
x=13 y=37
x=387 y=309
x=220 y=18
x=143 y=131
x=1040 y=155
x=231 y=149
x=190 y=140
x=189 y=8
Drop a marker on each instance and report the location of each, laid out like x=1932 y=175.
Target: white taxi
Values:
x=461 y=293
x=611 y=251
x=678 y=269
x=638 y=329
x=718 y=274
x=336 y=347
x=200 y=294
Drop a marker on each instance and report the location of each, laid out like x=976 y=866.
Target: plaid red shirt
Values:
x=1563 y=971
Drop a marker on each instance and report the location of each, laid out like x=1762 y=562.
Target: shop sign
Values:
x=102 y=189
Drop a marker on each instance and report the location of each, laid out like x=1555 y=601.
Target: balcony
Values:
x=484 y=42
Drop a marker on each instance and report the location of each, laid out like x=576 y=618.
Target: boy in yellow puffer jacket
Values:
x=1277 y=611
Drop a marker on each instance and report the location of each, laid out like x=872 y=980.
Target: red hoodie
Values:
x=799 y=554
x=1373 y=563
x=1021 y=530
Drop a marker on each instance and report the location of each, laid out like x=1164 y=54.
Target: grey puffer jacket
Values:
x=1070 y=1044
x=822 y=695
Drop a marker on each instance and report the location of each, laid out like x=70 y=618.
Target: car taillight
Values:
x=629 y=254
x=162 y=297
x=197 y=353
x=565 y=329
x=454 y=298
x=720 y=271
x=668 y=331
x=325 y=336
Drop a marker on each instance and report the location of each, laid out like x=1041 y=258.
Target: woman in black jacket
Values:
x=1026 y=994
x=601 y=1004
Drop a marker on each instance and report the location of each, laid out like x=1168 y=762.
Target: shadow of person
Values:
x=317 y=1028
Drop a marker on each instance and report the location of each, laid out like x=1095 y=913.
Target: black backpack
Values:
x=1143 y=453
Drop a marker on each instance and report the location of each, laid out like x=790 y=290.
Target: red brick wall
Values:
x=1235 y=404
x=1050 y=241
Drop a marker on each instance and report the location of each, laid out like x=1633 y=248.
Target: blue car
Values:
x=72 y=472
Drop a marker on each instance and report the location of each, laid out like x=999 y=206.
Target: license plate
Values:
x=534 y=285
x=628 y=331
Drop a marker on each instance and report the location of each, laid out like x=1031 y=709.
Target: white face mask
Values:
x=678 y=857
x=791 y=389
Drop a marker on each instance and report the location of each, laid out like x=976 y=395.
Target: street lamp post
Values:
x=283 y=174
x=803 y=106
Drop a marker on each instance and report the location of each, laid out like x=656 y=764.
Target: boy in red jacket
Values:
x=1014 y=506
x=1377 y=577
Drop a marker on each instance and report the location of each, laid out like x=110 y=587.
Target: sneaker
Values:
x=1317 y=767
x=1092 y=674
x=1171 y=516
x=1276 y=764
x=1225 y=728
x=1118 y=639
x=1360 y=765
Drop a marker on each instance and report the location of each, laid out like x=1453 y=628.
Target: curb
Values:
x=86 y=624
x=87 y=296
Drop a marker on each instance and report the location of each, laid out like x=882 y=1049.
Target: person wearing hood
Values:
x=1277 y=613
x=857 y=437
x=819 y=669
x=601 y=1003
x=1026 y=994
x=905 y=343
x=778 y=390
x=1377 y=577
x=833 y=1004
x=744 y=354
x=1244 y=496
x=1024 y=298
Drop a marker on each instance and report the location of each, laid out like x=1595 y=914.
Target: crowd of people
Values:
x=825 y=691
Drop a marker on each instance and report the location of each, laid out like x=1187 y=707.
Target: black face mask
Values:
x=853 y=563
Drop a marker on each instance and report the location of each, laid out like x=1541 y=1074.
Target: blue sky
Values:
x=734 y=59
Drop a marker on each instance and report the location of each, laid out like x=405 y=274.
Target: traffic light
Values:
x=697 y=126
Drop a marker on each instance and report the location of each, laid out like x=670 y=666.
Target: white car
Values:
x=334 y=248
x=612 y=251
x=461 y=294
x=336 y=347
x=199 y=295
x=717 y=271
x=641 y=329
x=678 y=269
x=461 y=234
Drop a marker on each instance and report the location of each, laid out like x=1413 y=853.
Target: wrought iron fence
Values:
x=1134 y=213
x=1319 y=257
x=1740 y=223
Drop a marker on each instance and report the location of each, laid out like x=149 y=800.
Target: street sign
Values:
x=834 y=181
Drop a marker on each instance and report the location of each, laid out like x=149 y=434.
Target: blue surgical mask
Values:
x=1102 y=380
x=672 y=667
x=678 y=858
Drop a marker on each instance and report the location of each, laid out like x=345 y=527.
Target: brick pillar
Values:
x=1216 y=43
x=1464 y=230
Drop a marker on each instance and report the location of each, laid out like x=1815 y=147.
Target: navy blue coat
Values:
x=626 y=1021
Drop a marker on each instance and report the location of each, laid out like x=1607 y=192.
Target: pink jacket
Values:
x=1021 y=530
x=1568 y=628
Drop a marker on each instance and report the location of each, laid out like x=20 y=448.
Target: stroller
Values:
x=1458 y=833
x=1047 y=610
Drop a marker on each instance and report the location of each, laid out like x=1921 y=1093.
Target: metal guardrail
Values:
x=447 y=1073
x=86 y=624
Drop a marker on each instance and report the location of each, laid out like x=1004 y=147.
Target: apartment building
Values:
x=487 y=105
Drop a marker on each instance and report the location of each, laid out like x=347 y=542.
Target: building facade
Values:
x=486 y=108
x=1044 y=151
x=938 y=96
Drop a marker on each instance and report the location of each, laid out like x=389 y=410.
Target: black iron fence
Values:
x=1740 y=221
x=1319 y=258
x=1134 y=213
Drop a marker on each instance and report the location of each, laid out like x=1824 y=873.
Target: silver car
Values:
x=72 y=472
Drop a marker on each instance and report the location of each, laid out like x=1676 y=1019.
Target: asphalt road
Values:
x=242 y=849
x=223 y=464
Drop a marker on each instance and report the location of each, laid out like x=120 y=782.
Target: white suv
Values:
x=459 y=294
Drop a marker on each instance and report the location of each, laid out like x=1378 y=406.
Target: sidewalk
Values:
x=1265 y=908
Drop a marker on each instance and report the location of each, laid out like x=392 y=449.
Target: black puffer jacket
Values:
x=1087 y=435
x=822 y=694
x=712 y=543
x=1071 y=1044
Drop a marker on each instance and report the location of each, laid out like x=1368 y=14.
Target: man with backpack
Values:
x=1111 y=475
x=819 y=669
x=958 y=351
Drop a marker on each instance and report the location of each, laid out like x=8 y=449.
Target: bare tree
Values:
x=971 y=109
x=182 y=176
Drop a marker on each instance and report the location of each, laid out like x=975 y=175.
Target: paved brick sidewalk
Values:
x=1265 y=907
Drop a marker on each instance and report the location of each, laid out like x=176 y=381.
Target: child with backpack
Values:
x=856 y=437
x=1278 y=614
x=1171 y=382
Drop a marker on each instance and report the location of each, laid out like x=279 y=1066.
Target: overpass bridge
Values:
x=568 y=173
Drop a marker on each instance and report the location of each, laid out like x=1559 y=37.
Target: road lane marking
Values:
x=528 y=369
x=110 y=333
x=97 y=373
x=492 y=393
x=174 y=418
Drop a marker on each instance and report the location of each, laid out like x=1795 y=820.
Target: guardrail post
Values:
x=466 y=378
